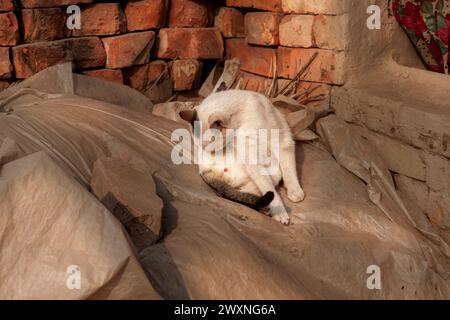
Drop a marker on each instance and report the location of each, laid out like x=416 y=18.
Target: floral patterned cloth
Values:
x=427 y=23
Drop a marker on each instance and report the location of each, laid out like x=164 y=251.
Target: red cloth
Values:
x=427 y=23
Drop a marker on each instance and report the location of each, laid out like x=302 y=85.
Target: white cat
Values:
x=242 y=111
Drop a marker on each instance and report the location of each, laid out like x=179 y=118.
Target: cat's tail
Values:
x=226 y=191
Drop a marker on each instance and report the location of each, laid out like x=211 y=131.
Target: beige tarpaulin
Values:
x=204 y=247
x=50 y=225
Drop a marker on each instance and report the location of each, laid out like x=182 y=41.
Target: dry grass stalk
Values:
x=292 y=85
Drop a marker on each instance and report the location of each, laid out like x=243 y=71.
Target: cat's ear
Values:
x=189 y=115
x=218 y=120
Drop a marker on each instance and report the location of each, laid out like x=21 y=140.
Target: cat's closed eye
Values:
x=217 y=125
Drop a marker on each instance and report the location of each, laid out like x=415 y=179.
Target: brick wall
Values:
x=133 y=42
x=281 y=36
x=130 y=42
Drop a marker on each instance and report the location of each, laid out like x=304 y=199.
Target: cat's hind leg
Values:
x=288 y=167
x=265 y=184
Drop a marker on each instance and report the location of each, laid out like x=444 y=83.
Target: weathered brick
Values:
x=252 y=82
x=128 y=49
x=50 y=3
x=32 y=58
x=230 y=22
x=268 y=5
x=101 y=19
x=332 y=32
x=262 y=28
x=253 y=59
x=322 y=31
x=330 y=7
x=328 y=67
x=84 y=52
x=146 y=14
x=190 y=13
x=9 y=29
x=87 y=52
x=396 y=113
x=113 y=75
x=297 y=31
x=311 y=91
x=6 y=5
x=5 y=63
x=143 y=76
x=43 y=24
x=185 y=74
x=190 y=43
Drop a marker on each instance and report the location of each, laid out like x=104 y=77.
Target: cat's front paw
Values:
x=296 y=195
x=282 y=218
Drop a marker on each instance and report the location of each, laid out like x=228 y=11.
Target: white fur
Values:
x=238 y=109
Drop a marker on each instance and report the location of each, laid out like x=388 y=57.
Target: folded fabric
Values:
x=427 y=23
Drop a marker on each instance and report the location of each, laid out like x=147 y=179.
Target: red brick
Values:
x=87 y=52
x=105 y=74
x=332 y=32
x=101 y=19
x=6 y=5
x=146 y=14
x=5 y=63
x=328 y=67
x=248 y=81
x=312 y=90
x=253 y=82
x=9 y=29
x=230 y=21
x=50 y=3
x=190 y=13
x=43 y=24
x=322 y=31
x=268 y=5
x=254 y=59
x=128 y=49
x=185 y=74
x=192 y=43
x=32 y=58
x=297 y=31
x=142 y=77
x=262 y=28
x=328 y=7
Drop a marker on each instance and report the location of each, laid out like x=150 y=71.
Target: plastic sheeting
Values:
x=208 y=247
x=58 y=241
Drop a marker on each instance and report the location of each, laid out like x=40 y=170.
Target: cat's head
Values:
x=204 y=123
